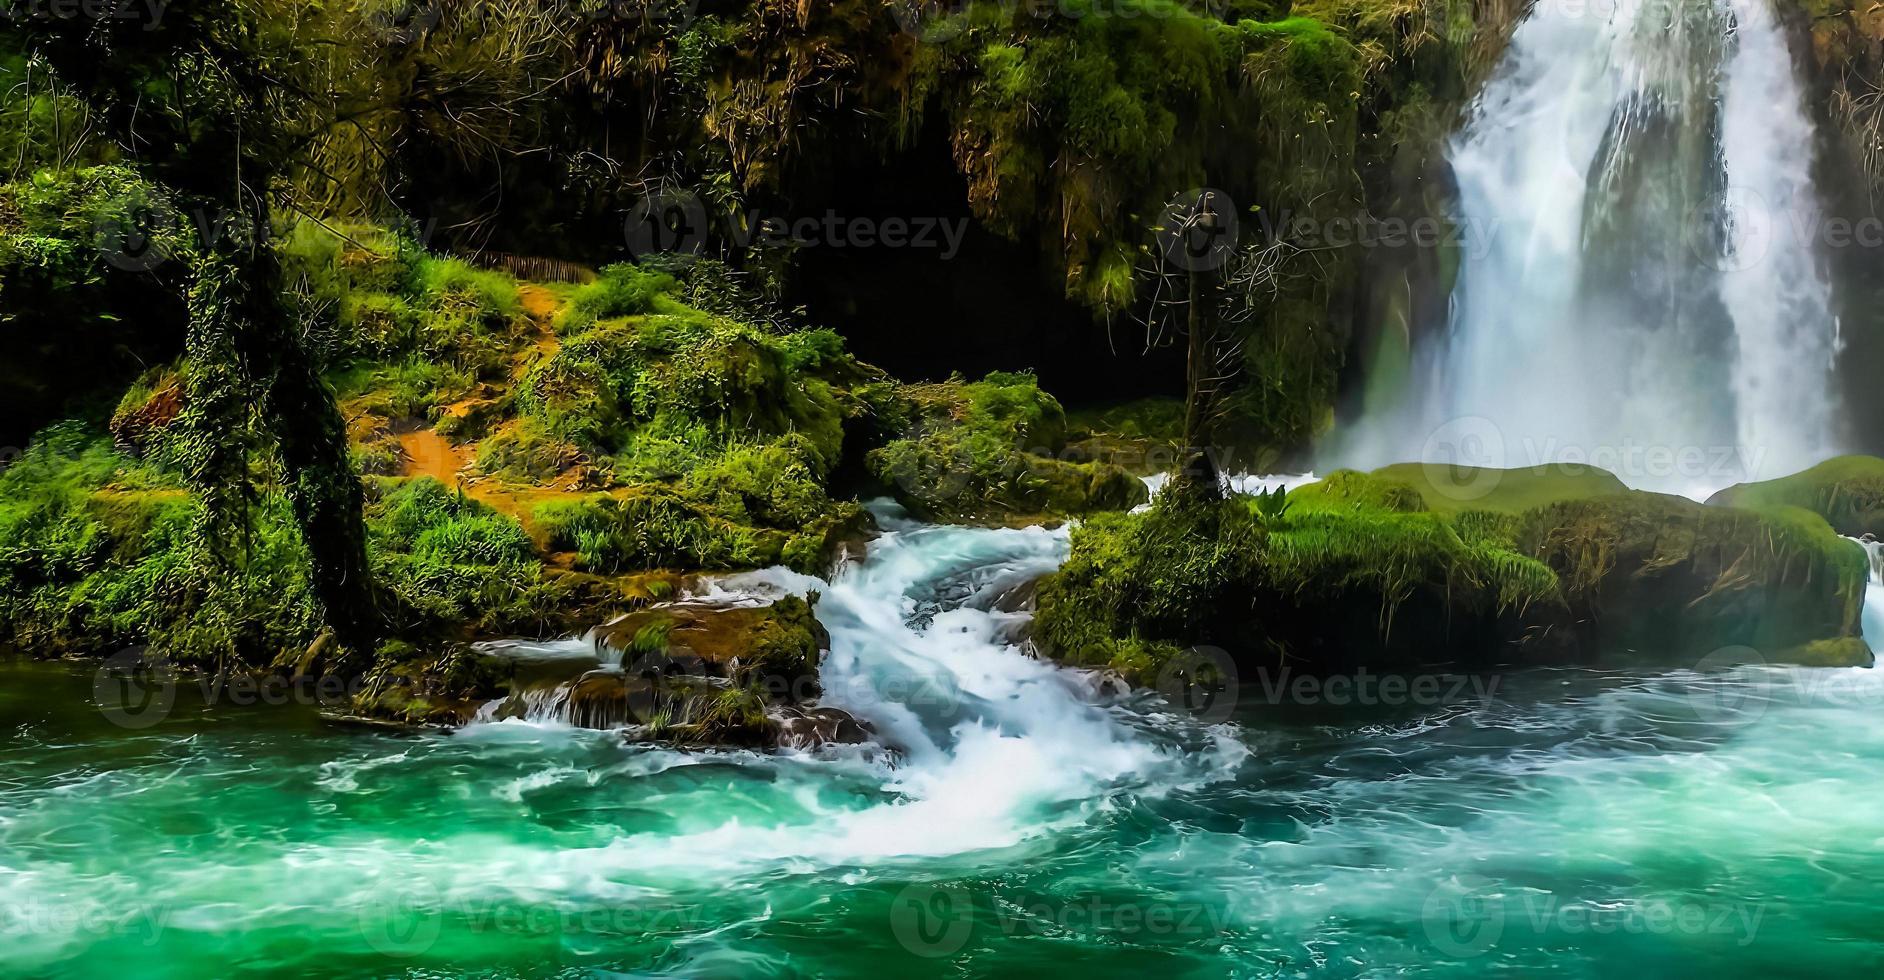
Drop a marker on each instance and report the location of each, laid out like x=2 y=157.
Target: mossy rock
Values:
x=985 y=451
x=1356 y=572
x=1666 y=576
x=775 y=647
x=1848 y=491
x=1448 y=489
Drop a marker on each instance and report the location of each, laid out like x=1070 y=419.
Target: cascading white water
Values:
x=1638 y=286
x=1872 y=621
x=993 y=747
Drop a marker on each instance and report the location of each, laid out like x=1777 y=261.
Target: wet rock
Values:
x=773 y=648
x=1378 y=571
x=804 y=727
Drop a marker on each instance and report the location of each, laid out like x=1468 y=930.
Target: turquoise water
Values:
x=1584 y=823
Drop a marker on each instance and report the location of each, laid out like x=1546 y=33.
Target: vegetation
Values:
x=1358 y=570
x=316 y=374
x=991 y=447
x=1847 y=491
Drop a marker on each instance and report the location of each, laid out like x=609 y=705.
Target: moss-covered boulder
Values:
x=991 y=450
x=1848 y=491
x=775 y=647
x=685 y=671
x=1665 y=577
x=1556 y=565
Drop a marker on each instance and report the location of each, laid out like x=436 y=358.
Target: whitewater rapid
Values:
x=1030 y=818
x=987 y=746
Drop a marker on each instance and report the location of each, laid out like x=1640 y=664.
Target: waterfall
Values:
x=1638 y=286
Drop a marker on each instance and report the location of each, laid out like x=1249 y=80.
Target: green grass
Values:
x=1848 y=491
x=1450 y=490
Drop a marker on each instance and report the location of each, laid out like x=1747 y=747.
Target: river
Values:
x=1033 y=822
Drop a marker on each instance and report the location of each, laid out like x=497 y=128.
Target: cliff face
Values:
x=1049 y=141
x=1842 y=42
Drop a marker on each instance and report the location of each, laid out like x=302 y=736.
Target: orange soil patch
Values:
x=430 y=454
x=539 y=304
x=427 y=453
x=542 y=306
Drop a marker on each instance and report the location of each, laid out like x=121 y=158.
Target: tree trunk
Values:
x=248 y=365
x=1198 y=476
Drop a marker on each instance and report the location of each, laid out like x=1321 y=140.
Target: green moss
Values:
x=659 y=393
x=981 y=449
x=1451 y=490
x=526 y=452
x=655 y=527
x=406 y=331
x=1667 y=572
x=447 y=563
x=1356 y=570
x=1848 y=491
x=620 y=290
x=1137 y=587
x=1350 y=490
x=97 y=554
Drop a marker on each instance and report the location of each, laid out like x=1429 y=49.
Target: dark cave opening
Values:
x=922 y=311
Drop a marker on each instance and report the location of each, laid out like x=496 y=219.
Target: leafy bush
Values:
x=97 y=553
x=975 y=450
x=449 y=562
x=622 y=289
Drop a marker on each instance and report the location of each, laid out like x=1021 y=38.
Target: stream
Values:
x=1589 y=822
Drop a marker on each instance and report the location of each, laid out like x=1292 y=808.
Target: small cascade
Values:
x=565 y=682
x=541 y=706
x=1873 y=617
